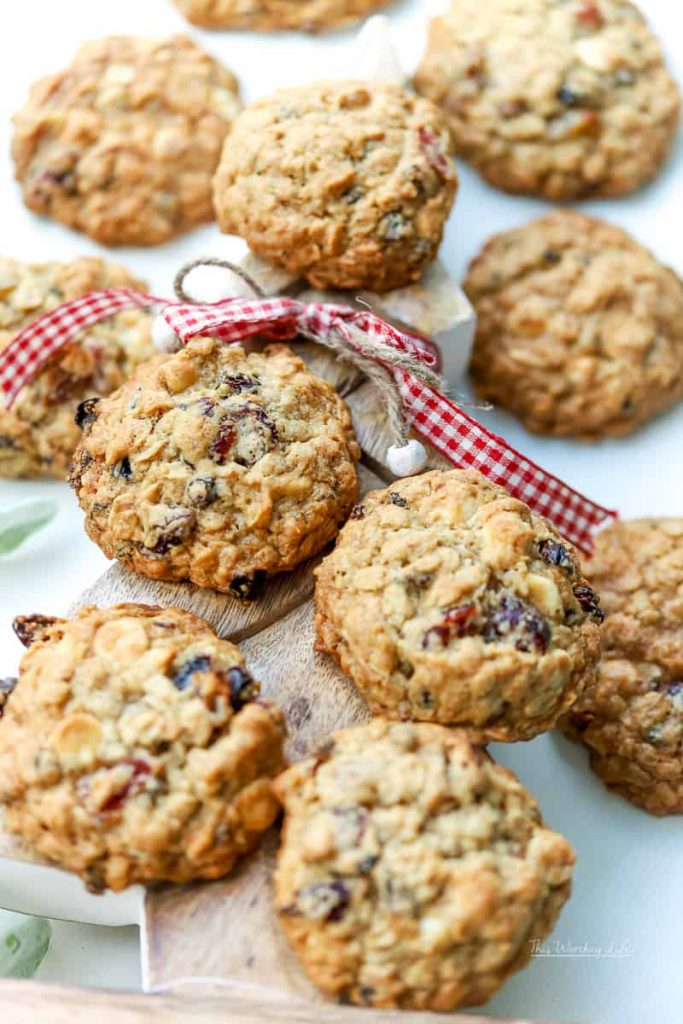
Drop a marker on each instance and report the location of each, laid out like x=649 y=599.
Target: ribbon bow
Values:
x=403 y=365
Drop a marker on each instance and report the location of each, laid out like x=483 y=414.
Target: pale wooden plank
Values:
x=29 y=1002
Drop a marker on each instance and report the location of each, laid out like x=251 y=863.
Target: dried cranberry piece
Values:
x=6 y=687
x=243 y=687
x=589 y=16
x=396 y=499
x=457 y=621
x=357 y=512
x=183 y=678
x=554 y=553
x=590 y=602
x=248 y=588
x=223 y=442
x=139 y=771
x=239 y=382
x=245 y=435
x=324 y=901
x=433 y=151
x=30 y=628
x=514 y=619
x=86 y=412
x=122 y=469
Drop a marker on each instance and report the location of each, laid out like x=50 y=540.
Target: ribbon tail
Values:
x=468 y=445
x=29 y=350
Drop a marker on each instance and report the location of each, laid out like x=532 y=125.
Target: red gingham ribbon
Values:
x=463 y=441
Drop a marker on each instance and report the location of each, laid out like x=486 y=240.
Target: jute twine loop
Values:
x=362 y=353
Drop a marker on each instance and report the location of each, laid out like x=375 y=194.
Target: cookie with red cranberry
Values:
x=346 y=183
x=134 y=747
x=39 y=434
x=414 y=872
x=559 y=100
x=631 y=719
x=270 y=15
x=123 y=144
x=446 y=600
x=579 y=328
x=218 y=467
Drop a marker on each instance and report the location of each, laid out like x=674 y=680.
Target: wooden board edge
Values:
x=31 y=1002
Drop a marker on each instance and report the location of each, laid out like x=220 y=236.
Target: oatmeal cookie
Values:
x=631 y=720
x=268 y=15
x=447 y=600
x=39 y=434
x=579 y=328
x=557 y=98
x=134 y=747
x=414 y=871
x=348 y=184
x=123 y=144
x=216 y=466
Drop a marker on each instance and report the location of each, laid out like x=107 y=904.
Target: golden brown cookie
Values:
x=269 y=15
x=447 y=600
x=122 y=145
x=218 y=467
x=134 y=747
x=631 y=720
x=558 y=99
x=39 y=434
x=579 y=328
x=346 y=183
x=414 y=871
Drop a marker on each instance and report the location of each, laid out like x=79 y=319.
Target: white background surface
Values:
x=629 y=880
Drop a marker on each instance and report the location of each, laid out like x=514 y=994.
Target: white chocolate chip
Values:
x=595 y=53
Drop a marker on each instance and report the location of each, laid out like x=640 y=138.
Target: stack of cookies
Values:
x=135 y=746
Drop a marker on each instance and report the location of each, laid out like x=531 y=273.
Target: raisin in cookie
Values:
x=631 y=720
x=134 y=749
x=123 y=144
x=268 y=15
x=414 y=871
x=217 y=467
x=447 y=600
x=558 y=98
x=348 y=184
x=39 y=434
x=579 y=328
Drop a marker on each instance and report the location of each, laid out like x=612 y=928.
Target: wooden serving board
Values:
x=224 y=933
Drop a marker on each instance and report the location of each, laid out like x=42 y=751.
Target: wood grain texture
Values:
x=29 y=1002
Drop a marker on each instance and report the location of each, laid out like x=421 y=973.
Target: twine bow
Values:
x=403 y=367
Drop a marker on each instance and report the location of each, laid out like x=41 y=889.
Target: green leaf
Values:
x=16 y=524
x=24 y=941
